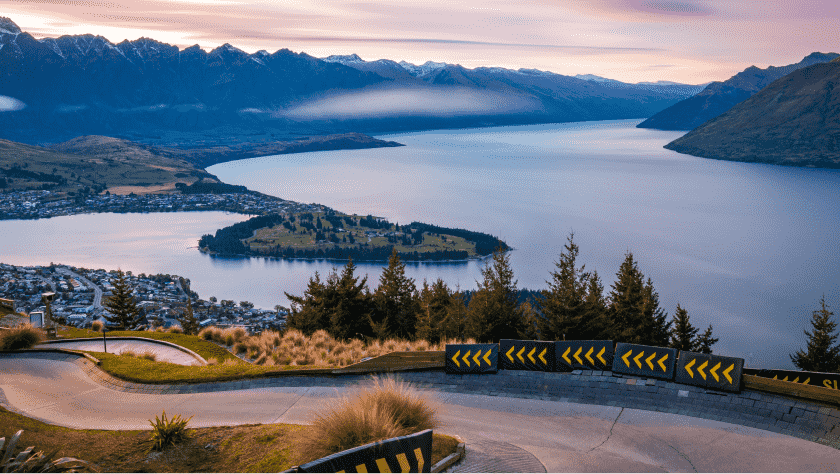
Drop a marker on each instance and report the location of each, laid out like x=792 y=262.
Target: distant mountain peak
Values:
x=594 y=78
x=423 y=69
x=343 y=58
x=7 y=26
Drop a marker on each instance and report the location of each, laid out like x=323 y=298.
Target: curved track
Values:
x=502 y=434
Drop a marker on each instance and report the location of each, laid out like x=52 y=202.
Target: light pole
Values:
x=48 y=324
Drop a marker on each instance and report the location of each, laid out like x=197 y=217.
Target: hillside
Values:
x=719 y=97
x=794 y=121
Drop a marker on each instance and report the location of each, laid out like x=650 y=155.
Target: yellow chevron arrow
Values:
x=700 y=369
x=603 y=349
x=487 y=356
x=510 y=352
x=717 y=379
x=519 y=354
x=638 y=362
x=455 y=358
x=589 y=356
x=805 y=382
x=475 y=358
x=577 y=355
x=660 y=362
x=649 y=359
x=566 y=355
x=785 y=379
x=531 y=355
x=626 y=362
x=688 y=368
x=466 y=358
x=796 y=380
x=542 y=356
x=729 y=369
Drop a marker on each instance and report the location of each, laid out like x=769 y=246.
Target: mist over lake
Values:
x=749 y=248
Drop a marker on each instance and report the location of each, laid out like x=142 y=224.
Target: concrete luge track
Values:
x=502 y=433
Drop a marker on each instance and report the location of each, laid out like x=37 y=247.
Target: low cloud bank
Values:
x=445 y=102
x=10 y=104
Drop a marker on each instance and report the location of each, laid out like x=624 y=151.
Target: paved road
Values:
x=97 y=291
x=502 y=434
x=162 y=352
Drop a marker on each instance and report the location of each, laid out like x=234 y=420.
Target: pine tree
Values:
x=532 y=321
x=705 y=341
x=683 y=334
x=350 y=316
x=306 y=312
x=434 y=302
x=626 y=302
x=493 y=313
x=454 y=326
x=396 y=300
x=822 y=354
x=593 y=324
x=655 y=325
x=188 y=321
x=563 y=303
x=121 y=304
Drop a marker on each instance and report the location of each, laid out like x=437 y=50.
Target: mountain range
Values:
x=54 y=89
x=719 y=97
x=795 y=120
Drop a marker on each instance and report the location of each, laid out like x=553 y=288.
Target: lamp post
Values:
x=48 y=324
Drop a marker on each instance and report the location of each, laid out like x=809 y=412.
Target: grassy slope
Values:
x=247 y=448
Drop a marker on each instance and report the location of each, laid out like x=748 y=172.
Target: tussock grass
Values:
x=22 y=336
x=96 y=326
x=384 y=409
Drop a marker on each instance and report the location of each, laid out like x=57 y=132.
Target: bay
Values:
x=749 y=248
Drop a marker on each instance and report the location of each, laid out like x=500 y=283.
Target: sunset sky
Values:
x=691 y=41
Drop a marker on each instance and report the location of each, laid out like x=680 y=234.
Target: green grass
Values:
x=205 y=349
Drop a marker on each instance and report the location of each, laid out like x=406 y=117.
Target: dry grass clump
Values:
x=128 y=353
x=22 y=336
x=149 y=355
x=385 y=409
x=96 y=326
x=213 y=361
x=175 y=329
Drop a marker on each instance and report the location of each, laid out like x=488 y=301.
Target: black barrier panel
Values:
x=644 y=361
x=586 y=355
x=472 y=358
x=710 y=371
x=411 y=453
x=526 y=355
x=817 y=379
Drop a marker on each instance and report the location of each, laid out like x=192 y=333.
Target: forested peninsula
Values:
x=336 y=236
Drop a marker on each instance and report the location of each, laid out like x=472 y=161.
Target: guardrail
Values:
x=396 y=361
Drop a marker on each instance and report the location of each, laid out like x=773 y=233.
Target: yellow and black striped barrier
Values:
x=527 y=355
x=644 y=361
x=710 y=371
x=472 y=358
x=412 y=453
x=586 y=355
x=817 y=379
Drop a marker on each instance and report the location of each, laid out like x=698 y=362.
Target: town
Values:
x=161 y=299
x=42 y=204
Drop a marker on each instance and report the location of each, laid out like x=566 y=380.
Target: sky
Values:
x=689 y=41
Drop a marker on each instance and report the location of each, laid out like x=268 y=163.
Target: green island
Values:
x=333 y=235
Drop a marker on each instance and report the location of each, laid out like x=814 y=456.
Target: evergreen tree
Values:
x=434 y=302
x=821 y=354
x=563 y=303
x=626 y=303
x=121 y=304
x=593 y=324
x=350 y=316
x=188 y=321
x=454 y=326
x=307 y=312
x=396 y=300
x=656 y=327
x=532 y=321
x=493 y=313
x=705 y=341
x=683 y=334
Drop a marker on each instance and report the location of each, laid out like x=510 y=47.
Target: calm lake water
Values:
x=748 y=248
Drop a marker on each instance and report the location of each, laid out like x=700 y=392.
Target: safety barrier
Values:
x=527 y=355
x=472 y=358
x=817 y=379
x=412 y=453
x=583 y=355
x=709 y=371
x=644 y=361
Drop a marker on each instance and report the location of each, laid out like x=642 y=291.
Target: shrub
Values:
x=27 y=461
x=228 y=339
x=384 y=410
x=159 y=329
x=212 y=361
x=239 y=348
x=128 y=353
x=149 y=355
x=238 y=334
x=96 y=326
x=22 y=336
x=206 y=333
x=168 y=432
x=175 y=330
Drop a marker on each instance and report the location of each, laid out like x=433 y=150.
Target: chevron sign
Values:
x=587 y=355
x=644 y=361
x=527 y=355
x=472 y=358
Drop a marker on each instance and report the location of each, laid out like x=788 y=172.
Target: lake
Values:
x=749 y=248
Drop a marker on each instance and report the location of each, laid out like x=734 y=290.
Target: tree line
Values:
x=573 y=307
